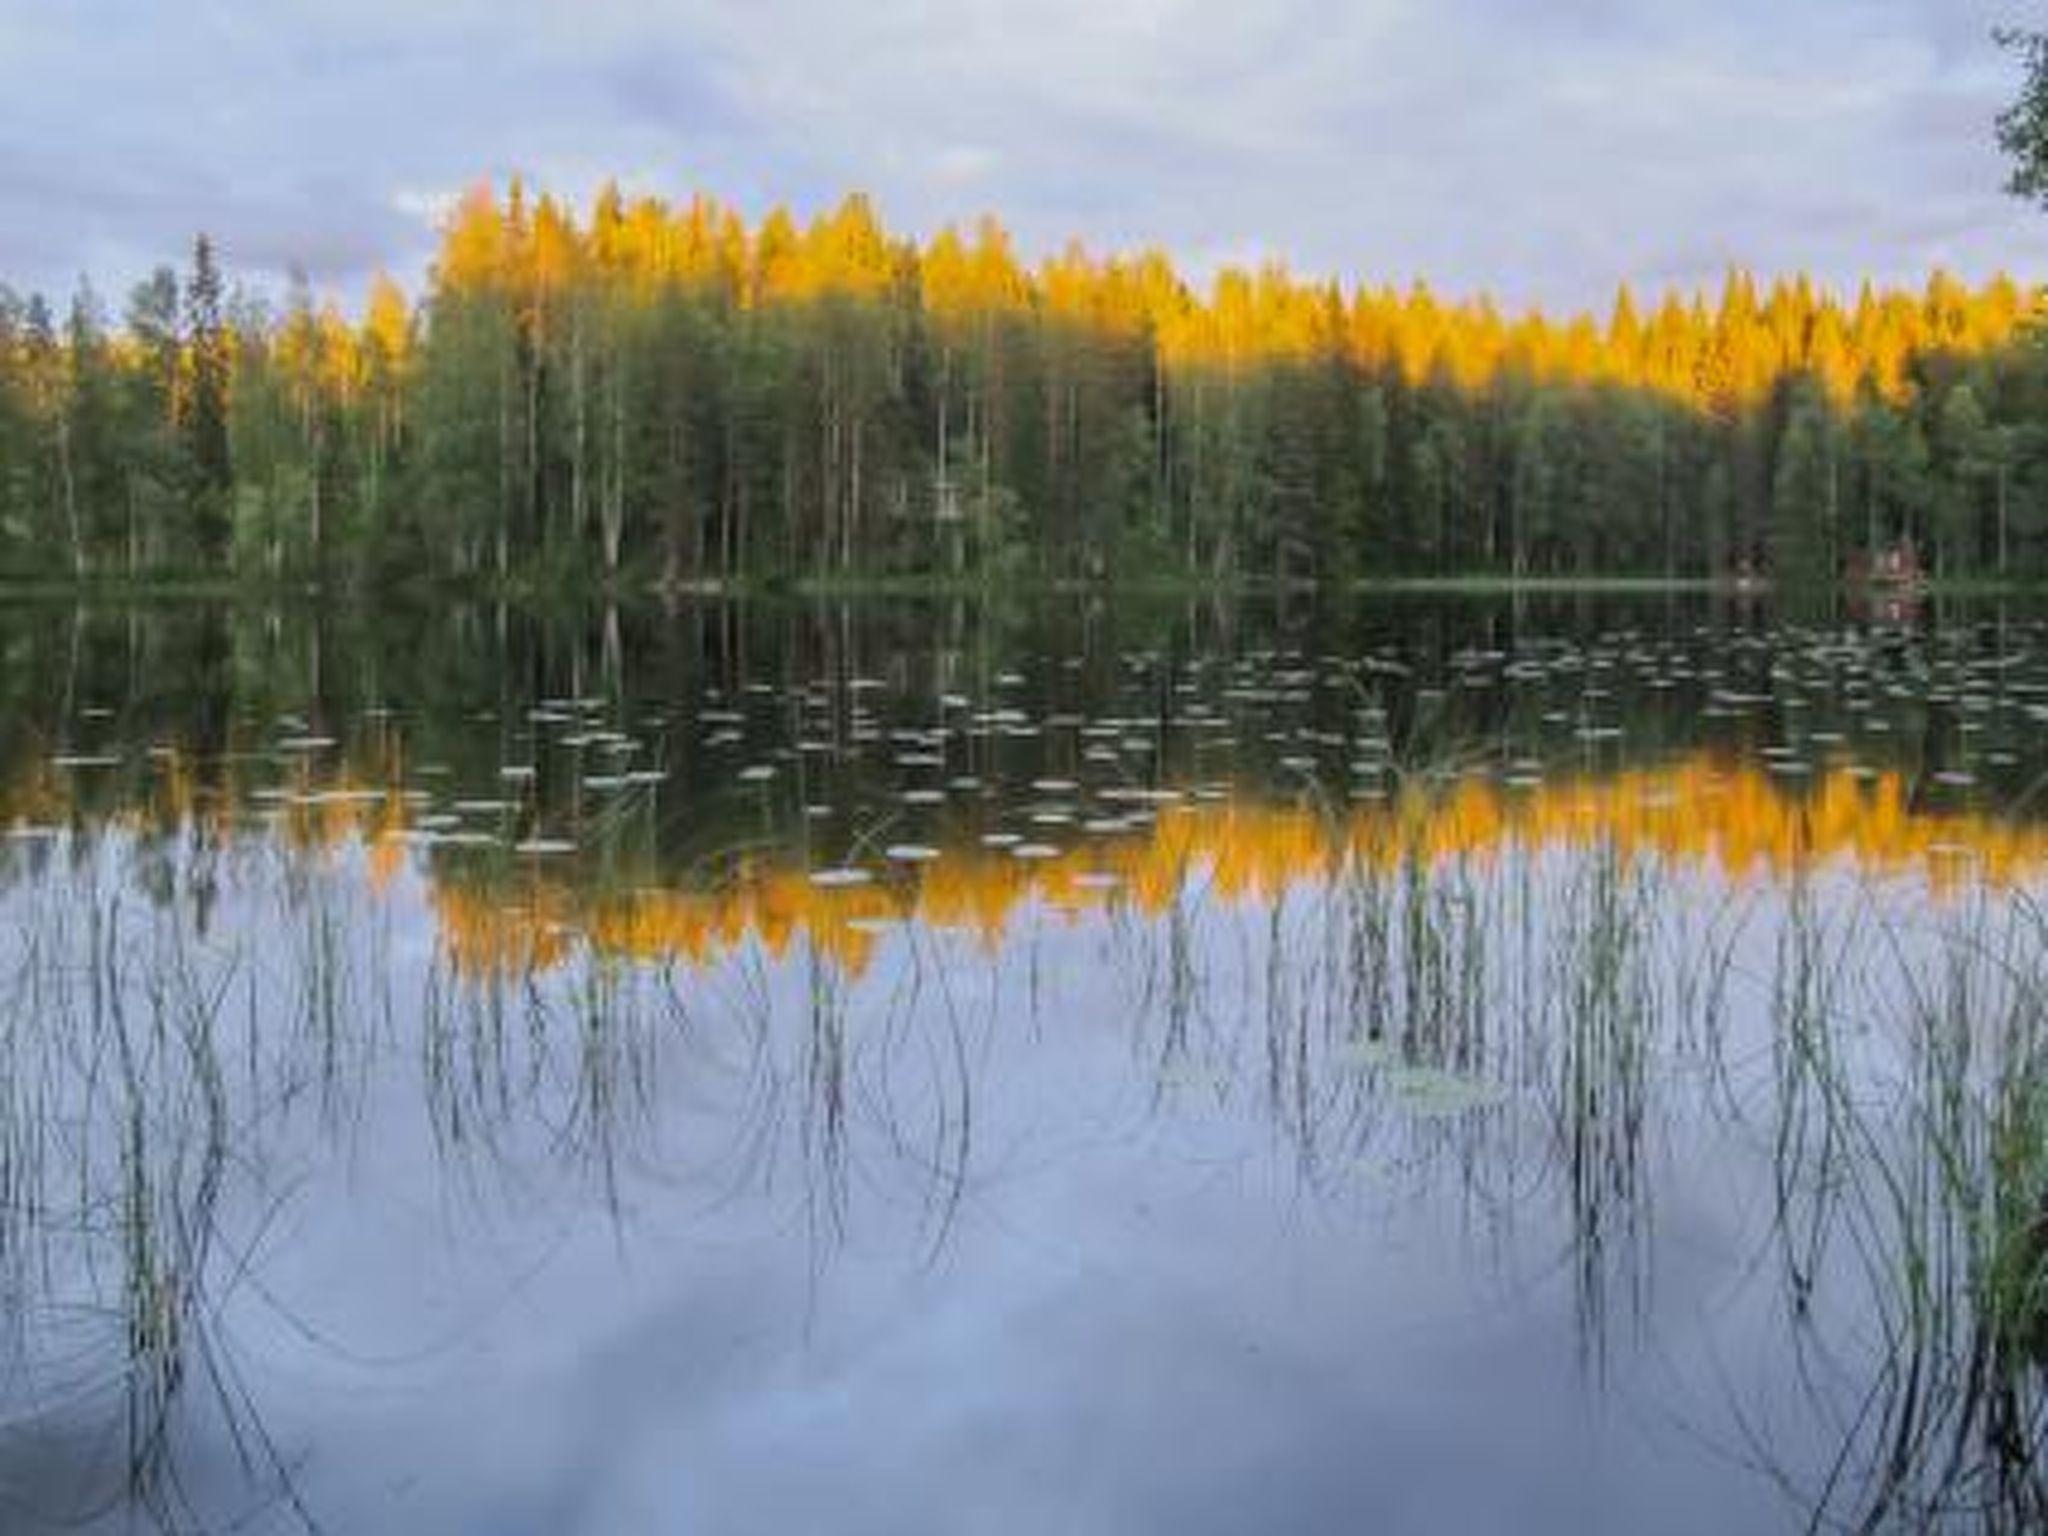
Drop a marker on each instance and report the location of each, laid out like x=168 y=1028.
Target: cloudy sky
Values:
x=1540 y=150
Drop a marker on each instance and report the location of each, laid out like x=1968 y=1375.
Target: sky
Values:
x=1541 y=150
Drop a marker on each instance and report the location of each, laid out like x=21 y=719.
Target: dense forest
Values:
x=651 y=392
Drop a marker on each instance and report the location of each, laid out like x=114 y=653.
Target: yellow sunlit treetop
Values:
x=1713 y=354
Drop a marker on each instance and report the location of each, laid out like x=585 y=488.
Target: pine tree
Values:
x=206 y=410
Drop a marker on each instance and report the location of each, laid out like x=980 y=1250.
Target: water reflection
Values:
x=1025 y=1058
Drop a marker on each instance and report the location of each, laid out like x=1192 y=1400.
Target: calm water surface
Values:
x=1413 y=1065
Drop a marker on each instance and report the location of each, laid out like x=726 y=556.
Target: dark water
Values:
x=1413 y=1065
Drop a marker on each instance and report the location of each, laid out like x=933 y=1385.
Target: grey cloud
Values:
x=672 y=89
x=1544 y=152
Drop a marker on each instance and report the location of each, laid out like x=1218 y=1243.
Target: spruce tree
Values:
x=206 y=412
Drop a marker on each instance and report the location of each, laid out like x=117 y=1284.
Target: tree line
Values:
x=658 y=392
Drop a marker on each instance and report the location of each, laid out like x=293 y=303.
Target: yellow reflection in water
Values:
x=1742 y=821
x=1738 y=821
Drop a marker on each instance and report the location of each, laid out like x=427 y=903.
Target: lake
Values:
x=1398 y=1063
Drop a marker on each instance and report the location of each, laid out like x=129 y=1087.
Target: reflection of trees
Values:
x=1483 y=986
x=1699 y=812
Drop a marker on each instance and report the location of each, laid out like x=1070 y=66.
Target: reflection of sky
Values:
x=546 y=1257
x=1156 y=1305
x=1140 y=1319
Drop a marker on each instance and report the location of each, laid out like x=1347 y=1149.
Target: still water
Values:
x=1409 y=1065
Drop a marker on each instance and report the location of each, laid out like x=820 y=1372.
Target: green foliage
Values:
x=206 y=408
x=582 y=428
x=1806 y=495
x=2023 y=127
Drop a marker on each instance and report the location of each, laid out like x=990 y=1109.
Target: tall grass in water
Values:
x=1911 y=1163
x=1512 y=1027
x=118 y=1133
x=1606 y=1025
x=1965 y=1184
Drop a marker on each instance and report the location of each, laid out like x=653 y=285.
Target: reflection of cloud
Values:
x=1544 y=152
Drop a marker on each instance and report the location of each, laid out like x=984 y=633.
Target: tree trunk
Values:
x=69 y=485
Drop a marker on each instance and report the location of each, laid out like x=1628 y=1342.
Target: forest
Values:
x=644 y=392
